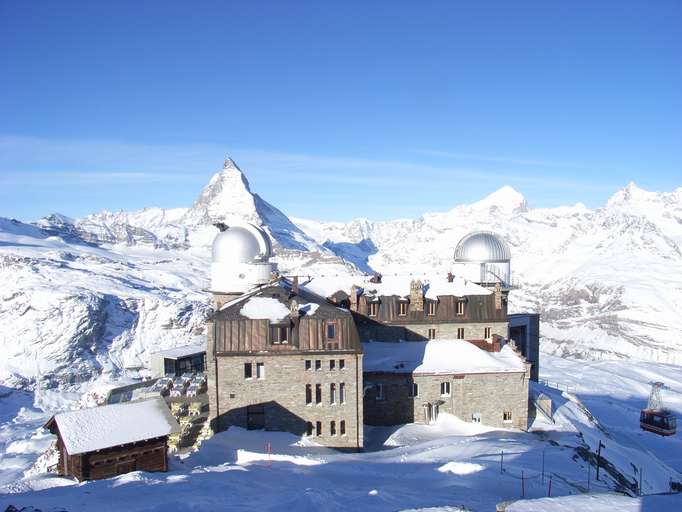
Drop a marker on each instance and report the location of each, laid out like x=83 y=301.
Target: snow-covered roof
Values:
x=178 y=352
x=97 y=428
x=264 y=308
x=433 y=286
x=438 y=356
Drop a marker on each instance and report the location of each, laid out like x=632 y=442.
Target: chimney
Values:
x=294 y=285
x=353 y=298
x=451 y=277
x=416 y=295
x=498 y=296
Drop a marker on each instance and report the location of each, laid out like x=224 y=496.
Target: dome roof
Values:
x=482 y=247
x=243 y=243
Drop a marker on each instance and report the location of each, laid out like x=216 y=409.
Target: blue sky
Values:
x=335 y=111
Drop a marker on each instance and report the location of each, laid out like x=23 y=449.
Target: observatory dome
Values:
x=241 y=259
x=482 y=247
x=241 y=244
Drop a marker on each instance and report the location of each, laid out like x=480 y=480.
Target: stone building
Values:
x=279 y=357
x=413 y=382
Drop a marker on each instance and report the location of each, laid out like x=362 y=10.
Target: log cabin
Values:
x=109 y=440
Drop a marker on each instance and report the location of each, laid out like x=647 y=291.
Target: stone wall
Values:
x=488 y=395
x=277 y=401
x=420 y=331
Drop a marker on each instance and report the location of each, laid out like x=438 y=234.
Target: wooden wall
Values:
x=149 y=455
x=307 y=333
x=477 y=308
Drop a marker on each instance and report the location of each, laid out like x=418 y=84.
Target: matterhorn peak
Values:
x=227 y=195
x=505 y=199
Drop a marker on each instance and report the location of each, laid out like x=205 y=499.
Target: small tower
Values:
x=240 y=261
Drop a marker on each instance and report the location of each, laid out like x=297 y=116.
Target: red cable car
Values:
x=656 y=418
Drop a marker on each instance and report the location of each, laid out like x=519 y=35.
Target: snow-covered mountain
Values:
x=87 y=297
x=608 y=282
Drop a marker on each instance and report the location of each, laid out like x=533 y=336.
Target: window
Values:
x=308 y=364
x=332 y=394
x=460 y=333
x=507 y=416
x=309 y=428
x=279 y=334
x=248 y=370
x=373 y=308
x=318 y=364
x=444 y=389
x=432 y=334
x=414 y=390
x=402 y=308
x=332 y=364
x=332 y=428
x=260 y=370
x=331 y=331
x=486 y=332
x=476 y=417
x=342 y=393
x=431 y=308
x=318 y=427
x=308 y=394
x=342 y=364
x=342 y=427
x=380 y=392
x=318 y=393
x=460 y=308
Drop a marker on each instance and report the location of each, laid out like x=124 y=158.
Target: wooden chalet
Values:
x=110 y=440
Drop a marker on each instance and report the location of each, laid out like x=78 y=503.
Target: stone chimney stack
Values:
x=294 y=285
x=498 y=296
x=451 y=277
x=416 y=295
x=353 y=298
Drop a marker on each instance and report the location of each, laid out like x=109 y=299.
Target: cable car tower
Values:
x=656 y=418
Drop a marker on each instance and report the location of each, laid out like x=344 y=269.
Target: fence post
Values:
x=543 y=466
x=640 y=480
x=589 y=472
x=502 y=461
x=523 y=486
x=549 y=489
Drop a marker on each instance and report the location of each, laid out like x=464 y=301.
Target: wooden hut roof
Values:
x=106 y=426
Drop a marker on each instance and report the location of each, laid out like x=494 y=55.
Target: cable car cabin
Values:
x=661 y=421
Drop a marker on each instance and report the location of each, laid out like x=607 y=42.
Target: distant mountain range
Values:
x=87 y=298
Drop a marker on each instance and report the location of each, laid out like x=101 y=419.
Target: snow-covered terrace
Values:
x=438 y=357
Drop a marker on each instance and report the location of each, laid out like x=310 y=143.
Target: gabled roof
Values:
x=106 y=426
x=274 y=302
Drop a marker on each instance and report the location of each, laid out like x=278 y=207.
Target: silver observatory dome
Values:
x=482 y=247
x=244 y=243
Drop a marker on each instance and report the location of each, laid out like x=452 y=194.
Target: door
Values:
x=125 y=467
x=255 y=417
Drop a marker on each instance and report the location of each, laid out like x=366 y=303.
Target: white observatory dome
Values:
x=483 y=257
x=241 y=259
x=241 y=244
x=482 y=246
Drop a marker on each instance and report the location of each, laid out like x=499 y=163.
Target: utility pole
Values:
x=601 y=445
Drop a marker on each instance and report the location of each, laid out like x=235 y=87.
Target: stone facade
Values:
x=494 y=399
x=277 y=400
